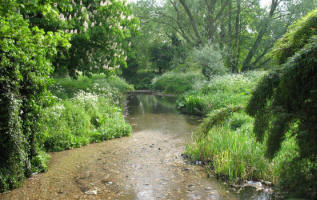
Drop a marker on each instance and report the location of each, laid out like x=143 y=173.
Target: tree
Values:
x=286 y=98
x=99 y=30
x=285 y=102
x=161 y=56
x=244 y=30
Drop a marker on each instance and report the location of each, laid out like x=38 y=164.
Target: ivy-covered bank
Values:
x=79 y=112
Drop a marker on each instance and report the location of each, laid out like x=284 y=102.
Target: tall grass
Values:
x=225 y=141
x=231 y=150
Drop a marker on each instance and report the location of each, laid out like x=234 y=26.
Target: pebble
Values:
x=208 y=188
x=92 y=192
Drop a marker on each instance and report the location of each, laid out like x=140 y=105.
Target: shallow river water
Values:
x=147 y=165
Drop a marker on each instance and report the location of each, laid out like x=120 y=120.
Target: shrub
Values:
x=26 y=54
x=83 y=119
x=210 y=59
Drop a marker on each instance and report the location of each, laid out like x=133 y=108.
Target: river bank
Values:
x=146 y=165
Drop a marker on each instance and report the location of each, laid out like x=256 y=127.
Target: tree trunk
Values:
x=237 y=38
x=229 y=56
x=192 y=20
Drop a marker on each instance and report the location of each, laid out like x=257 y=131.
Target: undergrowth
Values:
x=219 y=92
x=86 y=110
x=98 y=83
x=225 y=141
x=230 y=149
x=83 y=119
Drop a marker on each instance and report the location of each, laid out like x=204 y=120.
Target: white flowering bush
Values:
x=86 y=110
x=99 y=35
x=81 y=120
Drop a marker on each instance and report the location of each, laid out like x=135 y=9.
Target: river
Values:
x=147 y=165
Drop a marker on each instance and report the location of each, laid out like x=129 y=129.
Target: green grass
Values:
x=230 y=149
x=225 y=141
x=177 y=82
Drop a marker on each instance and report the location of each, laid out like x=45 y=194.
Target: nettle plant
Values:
x=100 y=32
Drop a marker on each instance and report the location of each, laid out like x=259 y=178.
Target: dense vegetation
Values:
x=284 y=103
x=259 y=125
x=247 y=67
x=44 y=37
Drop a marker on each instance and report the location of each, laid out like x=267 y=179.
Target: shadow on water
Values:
x=148 y=165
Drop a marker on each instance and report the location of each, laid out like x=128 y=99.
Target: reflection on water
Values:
x=147 y=165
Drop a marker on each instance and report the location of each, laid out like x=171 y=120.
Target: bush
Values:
x=81 y=120
x=176 y=83
x=210 y=59
x=25 y=67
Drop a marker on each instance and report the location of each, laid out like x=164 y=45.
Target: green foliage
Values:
x=225 y=141
x=176 y=83
x=300 y=177
x=81 y=120
x=39 y=162
x=98 y=83
x=298 y=35
x=288 y=96
x=161 y=56
x=100 y=32
x=219 y=92
x=285 y=102
x=217 y=117
x=210 y=59
x=26 y=55
x=33 y=35
x=226 y=144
